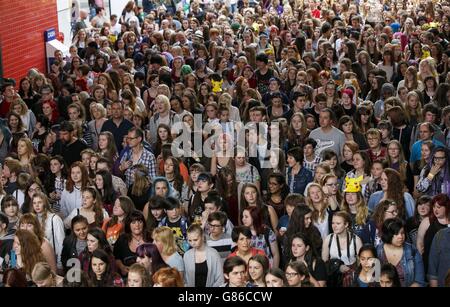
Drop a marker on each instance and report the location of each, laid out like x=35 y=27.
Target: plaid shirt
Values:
x=147 y=159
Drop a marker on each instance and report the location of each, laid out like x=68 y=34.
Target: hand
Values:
x=344 y=268
x=125 y=165
x=434 y=169
x=325 y=190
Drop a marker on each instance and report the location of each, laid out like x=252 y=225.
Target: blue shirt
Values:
x=416 y=150
x=118 y=131
x=439 y=257
x=376 y=197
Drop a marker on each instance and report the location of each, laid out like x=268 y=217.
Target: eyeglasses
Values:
x=290 y=275
x=215 y=226
x=37 y=189
x=393 y=212
x=439 y=158
x=332 y=184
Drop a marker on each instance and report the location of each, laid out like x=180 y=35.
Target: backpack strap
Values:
x=266 y=238
x=53 y=235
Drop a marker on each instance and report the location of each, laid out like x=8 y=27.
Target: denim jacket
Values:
x=297 y=184
x=411 y=262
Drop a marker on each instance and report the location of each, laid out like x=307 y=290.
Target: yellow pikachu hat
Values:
x=353 y=185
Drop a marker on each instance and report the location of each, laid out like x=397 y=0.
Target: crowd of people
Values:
x=342 y=174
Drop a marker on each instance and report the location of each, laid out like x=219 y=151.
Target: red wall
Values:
x=22 y=26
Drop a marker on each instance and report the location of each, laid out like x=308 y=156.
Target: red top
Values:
x=254 y=251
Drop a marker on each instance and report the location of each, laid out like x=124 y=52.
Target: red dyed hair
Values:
x=443 y=201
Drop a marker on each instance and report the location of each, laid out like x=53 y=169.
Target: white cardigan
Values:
x=70 y=201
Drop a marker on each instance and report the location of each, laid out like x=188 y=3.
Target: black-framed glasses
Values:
x=439 y=158
x=289 y=275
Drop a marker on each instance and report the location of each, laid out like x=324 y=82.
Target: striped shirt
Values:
x=223 y=245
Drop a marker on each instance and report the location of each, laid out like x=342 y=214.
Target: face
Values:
x=324 y=119
x=134 y=280
x=293 y=278
x=13 y=122
x=80 y=230
x=195 y=240
x=299 y=248
x=243 y=243
x=273 y=281
x=92 y=243
x=347 y=127
x=145 y=261
x=16 y=245
x=424 y=132
x=426 y=152
x=250 y=195
x=351 y=198
x=384 y=182
x=348 y=154
x=358 y=161
x=332 y=185
x=98 y=266
x=385 y=281
x=439 y=159
x=237 y=276
x=76 y=174
x=291 y=161
x=315 y=193
x=399 y=239
x=394 y=151
x=88 y=200
x=339 y=225
x=27 y=226
x=439 y=211
x=424 y=209
x=137 y=227
x=366 y=260
x=38 y=205
x=33 y=189
x=168 y=166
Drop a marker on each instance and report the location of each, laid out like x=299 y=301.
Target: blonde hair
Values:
x=99 y=107
x=42 y=271
x=362 y=211
x=317 y=215
x=164 y=100
x=165 y=235
x=19 y=101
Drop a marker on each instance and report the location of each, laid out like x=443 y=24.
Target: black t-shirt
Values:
x=122 y=251
x=139 y=201
x=320 y=271
x=263 y=80
x=201 y=274
x=71 y=153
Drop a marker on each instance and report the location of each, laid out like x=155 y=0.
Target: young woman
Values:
x=250 y=197
x=51 y=224
x=350 y=129
x=134 y=235
x=342 y=244
x=91 y=208
x=168 y=277
x=393 y=189
x=56 y=181
x=413 y=108
x=101 y=273
x=298 y=176
x=395 y=159
x=434 y=177
x=140 y=190
x=227 y=186
x=404 y=256
x=354 y=204
x=163 y=137
x=297 y=275
x=422 y=211
x=275 y=277
x=149 y=257
x=438 y=219
x=245 y=172
x=364 y=274
x=262 y=236
x=297 y=131
x=302 y=251
x=96 y=239
x=164 y=239
x=114 y=226
x=10 y=207
x=348 y=150
x=43 y=276
x=107 y=146
x=330 y=187
x=361 y=168
x=277 y=192
x=98 y=114
x=318 y=204
x=389 y=276
x=173 y=175
x=27 y=116
x=76 y=242
x=203 y=265
x=28 y=251
x=30 y=222
x=71 y=196
x=103 y=184
x=138 y=276
x=258 y=266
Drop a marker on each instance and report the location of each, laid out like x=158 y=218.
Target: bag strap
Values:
x=266 y=237
x=53 y=235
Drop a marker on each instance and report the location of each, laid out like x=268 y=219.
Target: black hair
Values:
x=4 y=219
x=310 y=141
x=391 y=227
x=66 y=126
x=172 y=203
x=390 y=270
x=297 y=154
x=246 y=231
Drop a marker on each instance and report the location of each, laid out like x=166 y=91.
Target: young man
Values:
x=217 y=238
x=74 y=112
x=215 y=203
x=328 y=136
x=311 y=160
x=69 y=146
x=376 y=151
x=176 y=222
x=235 y=272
